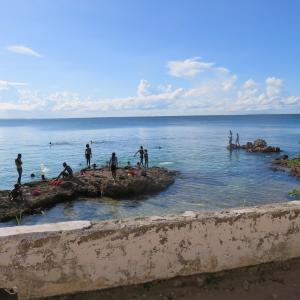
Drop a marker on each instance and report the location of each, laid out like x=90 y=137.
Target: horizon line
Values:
x=158 y=116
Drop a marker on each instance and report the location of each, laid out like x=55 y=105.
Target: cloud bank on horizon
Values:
x=212 y=89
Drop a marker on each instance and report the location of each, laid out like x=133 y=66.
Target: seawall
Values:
x=63 y=258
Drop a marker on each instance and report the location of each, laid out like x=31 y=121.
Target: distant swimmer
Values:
x=146 y=158
x=113 y=164
x=237 y=140
x=88 y=155
x=50 y=144
x=19 y=163
x=67 y=172
x=141 y=152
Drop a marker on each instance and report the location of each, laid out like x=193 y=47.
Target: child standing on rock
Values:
x=146 y=158
x=18 y=162
x=113 y=164
x=88 y=155
x=141 y=152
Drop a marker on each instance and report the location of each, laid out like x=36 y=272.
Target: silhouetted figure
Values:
x=237 y=140
x=32 y=175
x=128 y=166
x=230 y=138
x=16 y=193
x=43 y=177
x=113 y=164
x=67 y=172
x=146 y=158
x=141 y=152
x=88 y=155
x=19 y=163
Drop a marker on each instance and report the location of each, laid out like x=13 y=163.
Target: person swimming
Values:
x=67 y=172
x=19 y=163
x=141 y=152
x=146 y=158
x=88 y=155
x=113 y=164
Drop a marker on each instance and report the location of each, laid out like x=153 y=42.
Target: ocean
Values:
x=211 y=177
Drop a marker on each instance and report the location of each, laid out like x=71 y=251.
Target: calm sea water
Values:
x=211 y=177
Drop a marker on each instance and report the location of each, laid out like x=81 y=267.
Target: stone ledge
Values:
x=83 y=256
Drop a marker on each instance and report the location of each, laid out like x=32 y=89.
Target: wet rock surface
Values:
x=258 y=145
x=87 y=184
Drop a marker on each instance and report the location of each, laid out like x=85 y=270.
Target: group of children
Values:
x=113 y=162
x=68 y=172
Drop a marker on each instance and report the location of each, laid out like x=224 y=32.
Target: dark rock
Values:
x=90 y=183
x=67 y=185
x=258 y=145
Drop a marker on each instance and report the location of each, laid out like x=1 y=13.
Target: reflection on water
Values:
x=211 y=176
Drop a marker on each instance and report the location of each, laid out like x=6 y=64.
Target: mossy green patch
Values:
x=295 y=193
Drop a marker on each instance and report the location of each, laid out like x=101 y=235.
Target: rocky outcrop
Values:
x=258 y=145
x=283 y=163
x=89 y=183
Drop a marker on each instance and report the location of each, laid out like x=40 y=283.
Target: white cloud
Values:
x=219 y=93
x=143 y=88
x=249 y=84
x=274 y=86
x=228 y=83
x=188 y=67
x=271 y=97
x=5 y=84
x=20 y=49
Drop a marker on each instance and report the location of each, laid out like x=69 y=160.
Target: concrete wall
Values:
x=62 y=258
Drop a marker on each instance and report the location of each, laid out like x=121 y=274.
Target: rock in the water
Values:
x=88 y=183
x=258 y=145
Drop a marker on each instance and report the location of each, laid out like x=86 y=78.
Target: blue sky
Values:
x=64 y=58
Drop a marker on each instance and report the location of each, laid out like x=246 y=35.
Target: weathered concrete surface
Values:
x=276 y=280
x=91 y=183
x=115 y=253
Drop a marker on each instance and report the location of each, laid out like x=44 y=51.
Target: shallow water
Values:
x=211 y=177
